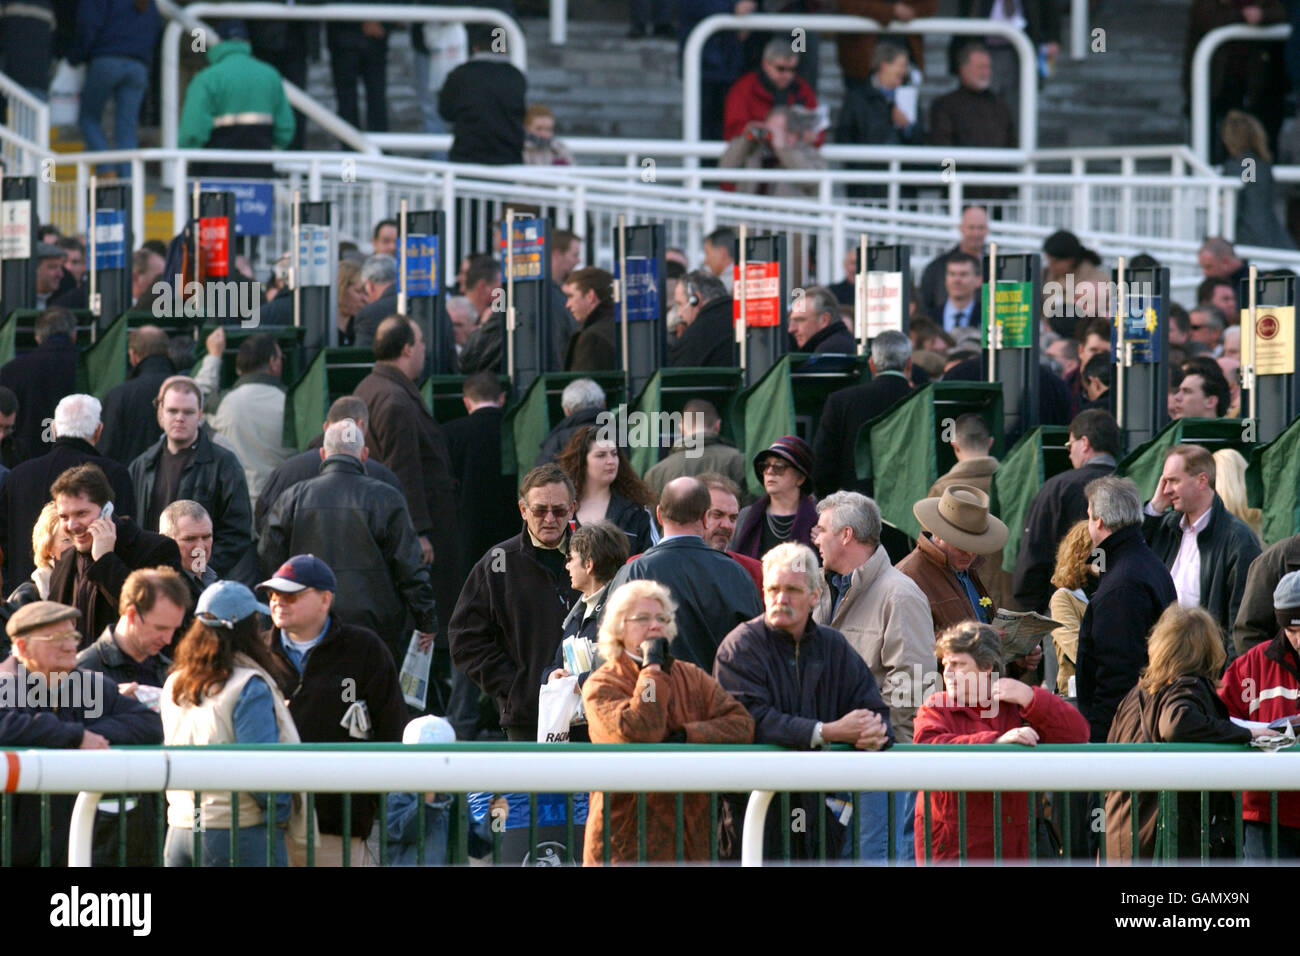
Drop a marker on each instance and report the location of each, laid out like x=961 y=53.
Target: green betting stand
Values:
x=1273 y=484
x=907 y=448
x=1040 y=454
x=667 y=391
x=527 y=424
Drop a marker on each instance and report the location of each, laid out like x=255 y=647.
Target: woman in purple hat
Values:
x=787 y=511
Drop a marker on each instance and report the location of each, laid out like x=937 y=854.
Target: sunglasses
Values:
x=541 y=511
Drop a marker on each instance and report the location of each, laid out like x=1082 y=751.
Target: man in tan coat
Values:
x=886 y=618
x=971 y=443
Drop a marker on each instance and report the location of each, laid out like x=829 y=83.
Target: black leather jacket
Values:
x=361 y=528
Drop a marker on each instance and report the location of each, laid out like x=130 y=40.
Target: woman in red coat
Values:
x=978 y=706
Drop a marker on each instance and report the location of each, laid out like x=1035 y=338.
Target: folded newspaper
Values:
x=1022 y=631
x=414 y=678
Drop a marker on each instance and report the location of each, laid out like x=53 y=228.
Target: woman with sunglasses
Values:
x=787 y=511
x=608 y=487
x=223 y=690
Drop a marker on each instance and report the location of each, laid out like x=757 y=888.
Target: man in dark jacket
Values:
x=974 y=230
x=1133 y=592
x=714 y=594
x=186 y=463
x=130 y=422
x=42 y=377
x=1256 y=622
x=589 y=294
x=1094 y=446
x=361 y=528
x=803 y=683
x=972 y=114
x=345 y=689
x=871 y=114
x=850 y=408
x=404 y=436
x=485 y=346
x=190 y=526
x=379 y=272
x=701 y=449
x=89 y=576
x=1207 y=549
x=81 y=710
x=486 y=497
x=706 y=311
x=484 y=102
x=307 y=464
x=816 y=324
x=154 y=605
x=511 y=612
x=583 y=402
x=26 y=490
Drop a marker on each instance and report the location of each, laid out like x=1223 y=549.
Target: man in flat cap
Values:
x=47 y=701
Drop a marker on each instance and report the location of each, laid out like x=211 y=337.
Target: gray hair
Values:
x=850 y=509
x=344 y=437
x=891 y=350
x=461 y=304
x=794 y=556
x=380 y=269
x=77 y=416
x=581 y=393
x=181 y=508
x=1213 y=316
x=820 y=300
x=704 y=285
x=1115 y=502
x=886 y=52
x=779 y=48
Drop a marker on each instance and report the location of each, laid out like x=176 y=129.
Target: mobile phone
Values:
x=107 y=512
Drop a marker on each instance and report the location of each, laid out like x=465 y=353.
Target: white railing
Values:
x=1200 y=92
x=831 y=23
x=454 y=769
x=28 y=117
x=188 y=18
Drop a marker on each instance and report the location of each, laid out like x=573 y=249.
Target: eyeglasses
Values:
x=541 y=511
x=663 y=619
x=66 y=638
x=775 y=467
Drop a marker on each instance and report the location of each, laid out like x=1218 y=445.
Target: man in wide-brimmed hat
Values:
x=957 y=530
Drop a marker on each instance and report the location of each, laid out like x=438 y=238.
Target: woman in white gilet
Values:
x=222 y=691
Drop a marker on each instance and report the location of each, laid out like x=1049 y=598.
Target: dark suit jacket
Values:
x=487 y=498
x=708 y=341
x=40 y=379
x=301 y=467
x=130 y=420
x=594 y=347
x=135 y=548
x=845 y=413
x=26 y=489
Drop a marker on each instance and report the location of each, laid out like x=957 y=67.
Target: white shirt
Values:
x=1186 y=571
x=1017 y=19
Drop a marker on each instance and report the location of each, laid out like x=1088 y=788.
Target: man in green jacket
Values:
x=237 y=102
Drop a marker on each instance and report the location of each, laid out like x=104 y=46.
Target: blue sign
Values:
x=110 y=239
x=641 y=289
x=254 y=203
x=1142 y=327
x=314 y=257
x=421 y=280
x=529 y=248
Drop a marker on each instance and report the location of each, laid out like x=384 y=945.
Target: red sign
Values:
x=762 y=294
x=214 y=246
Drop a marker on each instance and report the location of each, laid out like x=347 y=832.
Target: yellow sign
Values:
x=1274 y=340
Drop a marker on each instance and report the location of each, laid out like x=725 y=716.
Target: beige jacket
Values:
x=886 y=619
x=1068 y=608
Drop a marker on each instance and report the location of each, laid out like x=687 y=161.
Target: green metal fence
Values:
x=1060 y=827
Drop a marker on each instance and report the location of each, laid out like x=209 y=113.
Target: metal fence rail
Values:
x=549 y=769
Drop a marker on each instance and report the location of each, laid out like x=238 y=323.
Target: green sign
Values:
x=1016 y=314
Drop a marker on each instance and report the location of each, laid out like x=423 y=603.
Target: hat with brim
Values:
x=789 y=448
x=961 y=517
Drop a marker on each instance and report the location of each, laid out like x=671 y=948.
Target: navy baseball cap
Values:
x=226 y=603
x=300 y=572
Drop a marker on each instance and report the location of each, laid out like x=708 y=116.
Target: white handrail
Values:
x=450 y=769
x=189 y=16
x=1200 y=92
x=17 y=95
x=833 y=23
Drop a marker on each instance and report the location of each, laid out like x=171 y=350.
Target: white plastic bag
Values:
x=65 y=93
x=557 y=705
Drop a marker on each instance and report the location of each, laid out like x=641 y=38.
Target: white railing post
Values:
x=559 y=21
x=180 y=198
x=751 y=842
x=313 y=180
x=82 y=206
x=81 y=830
x=138 y=221
x=1126 y=219
x=1200 y=93
x=579 y=218
x=449 y=225
x=1078 y=29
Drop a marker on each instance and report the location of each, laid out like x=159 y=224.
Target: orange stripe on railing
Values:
x=11 y=775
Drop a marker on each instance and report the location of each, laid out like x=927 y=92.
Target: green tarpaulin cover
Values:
x=103 y=365
x=307 y=404
x=1273 y=483
x=1145 y=463
x=1019 y=476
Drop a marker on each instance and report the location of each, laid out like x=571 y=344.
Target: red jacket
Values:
x=1264 y=684
x=752 y=565
x=939 y=721
x=750 y=101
